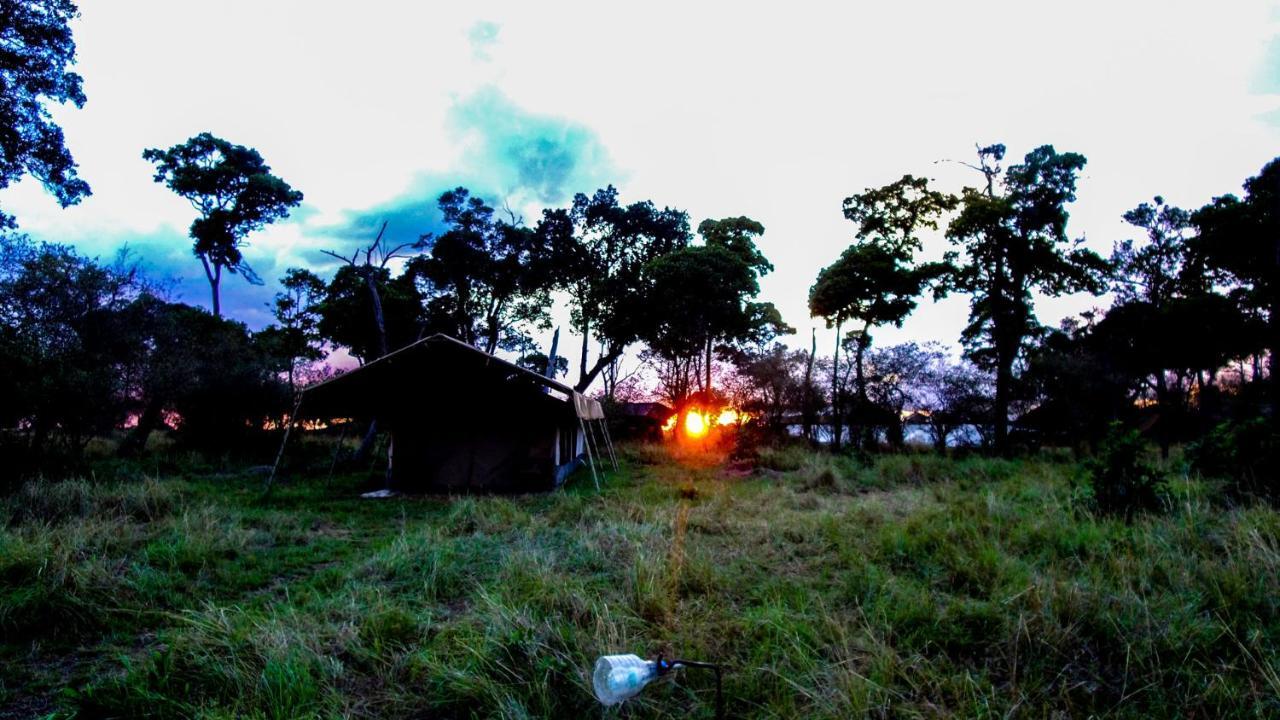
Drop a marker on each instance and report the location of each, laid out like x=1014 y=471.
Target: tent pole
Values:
x=587 y=444
x=293 y=419
x=613 y=455
x=596 y=441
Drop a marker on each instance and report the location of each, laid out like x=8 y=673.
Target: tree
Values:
x=36 y=50
x=354 y=313
x=367 y=311
x=537 y=362
x=296 y=339
x=954 y=395
x=62 y=352
x=875 y=280
x=1238 y=240
x=704 y=295
x=485 y=278
x=1012 y=239
x=772 y=381
x=896 y=382
x=235 y=193
x=1165 y=297
x=602 y=251
x=203 y=375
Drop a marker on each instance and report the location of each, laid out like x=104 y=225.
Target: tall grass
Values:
x=829 y=587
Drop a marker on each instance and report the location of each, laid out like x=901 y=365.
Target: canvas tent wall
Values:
x=461 y=420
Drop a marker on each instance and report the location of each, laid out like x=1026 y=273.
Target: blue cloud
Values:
x=1266 y=79
x=510 y=155
x=482 y=36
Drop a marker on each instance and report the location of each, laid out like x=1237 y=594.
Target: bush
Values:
x=1122 y=482
x=1246 y=454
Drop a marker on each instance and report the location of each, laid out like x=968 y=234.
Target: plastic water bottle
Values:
x=618 y=677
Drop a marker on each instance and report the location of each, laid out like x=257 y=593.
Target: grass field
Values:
x=916 y=586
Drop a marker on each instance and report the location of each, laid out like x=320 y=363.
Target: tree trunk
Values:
x=585 y=381
x=707 y=386
x=215 y=279
x=379 y=321
x=1163 y=434
x=582 y=359
x=836 y=426
x=551 y=356
x=860 y=380
x=1004 y=378
x=806 y=397
x=136 y=441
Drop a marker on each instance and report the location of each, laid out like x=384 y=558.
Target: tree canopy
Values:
x=232 y=188
x=1011 y=239
x=36 y=54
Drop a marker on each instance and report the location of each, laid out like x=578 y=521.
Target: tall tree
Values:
x=704 y=295
x=36 y=52
x=1012 y=239
x=603 y=250
x=1239 y=241
x=235 y=193
x=487 y=278
x=876 y=280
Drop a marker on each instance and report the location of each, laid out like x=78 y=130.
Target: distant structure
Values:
x=462 y=420
x=640 y=420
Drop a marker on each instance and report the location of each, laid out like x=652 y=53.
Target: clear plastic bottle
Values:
x=618 y=677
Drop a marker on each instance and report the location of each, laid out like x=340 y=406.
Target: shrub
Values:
x=1122 y=481
x=1246 y=454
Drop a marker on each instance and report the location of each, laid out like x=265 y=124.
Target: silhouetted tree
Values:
x=489 y=277
x=368 y=322
x=876 y=281
x=366 y=331
x=896 y=380
x=1238 y=241
x=1012 y=236
x=62 y=352
x=36 y=51
x=297 y=338
x=235 y=193
x=603 y=250
x=704 y=295
x=1169 y=329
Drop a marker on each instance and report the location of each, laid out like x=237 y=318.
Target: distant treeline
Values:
x=1184 y=354
x=88 y=347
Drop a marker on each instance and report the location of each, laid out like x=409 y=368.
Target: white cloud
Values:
x=777 y=111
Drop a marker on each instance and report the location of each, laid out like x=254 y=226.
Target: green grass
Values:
x=903 y=586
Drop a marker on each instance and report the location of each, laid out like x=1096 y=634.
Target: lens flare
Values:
x=695 y=424
x=728 y=416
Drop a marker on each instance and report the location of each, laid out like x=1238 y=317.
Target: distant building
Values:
x=462 y=420
x=639 y=420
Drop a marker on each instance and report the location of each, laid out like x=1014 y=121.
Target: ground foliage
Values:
x=905 y=586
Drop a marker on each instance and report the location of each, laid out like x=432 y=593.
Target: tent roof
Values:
x=440 y=362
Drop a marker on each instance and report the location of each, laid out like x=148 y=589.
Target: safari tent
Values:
x=461 y=420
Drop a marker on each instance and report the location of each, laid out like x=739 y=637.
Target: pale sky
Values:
x=777 y=111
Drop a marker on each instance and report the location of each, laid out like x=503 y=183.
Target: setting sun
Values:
x=695 y=425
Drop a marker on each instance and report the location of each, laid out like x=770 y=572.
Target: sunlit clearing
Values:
x=695 y=425
x=728 y=416
x=670 y=424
